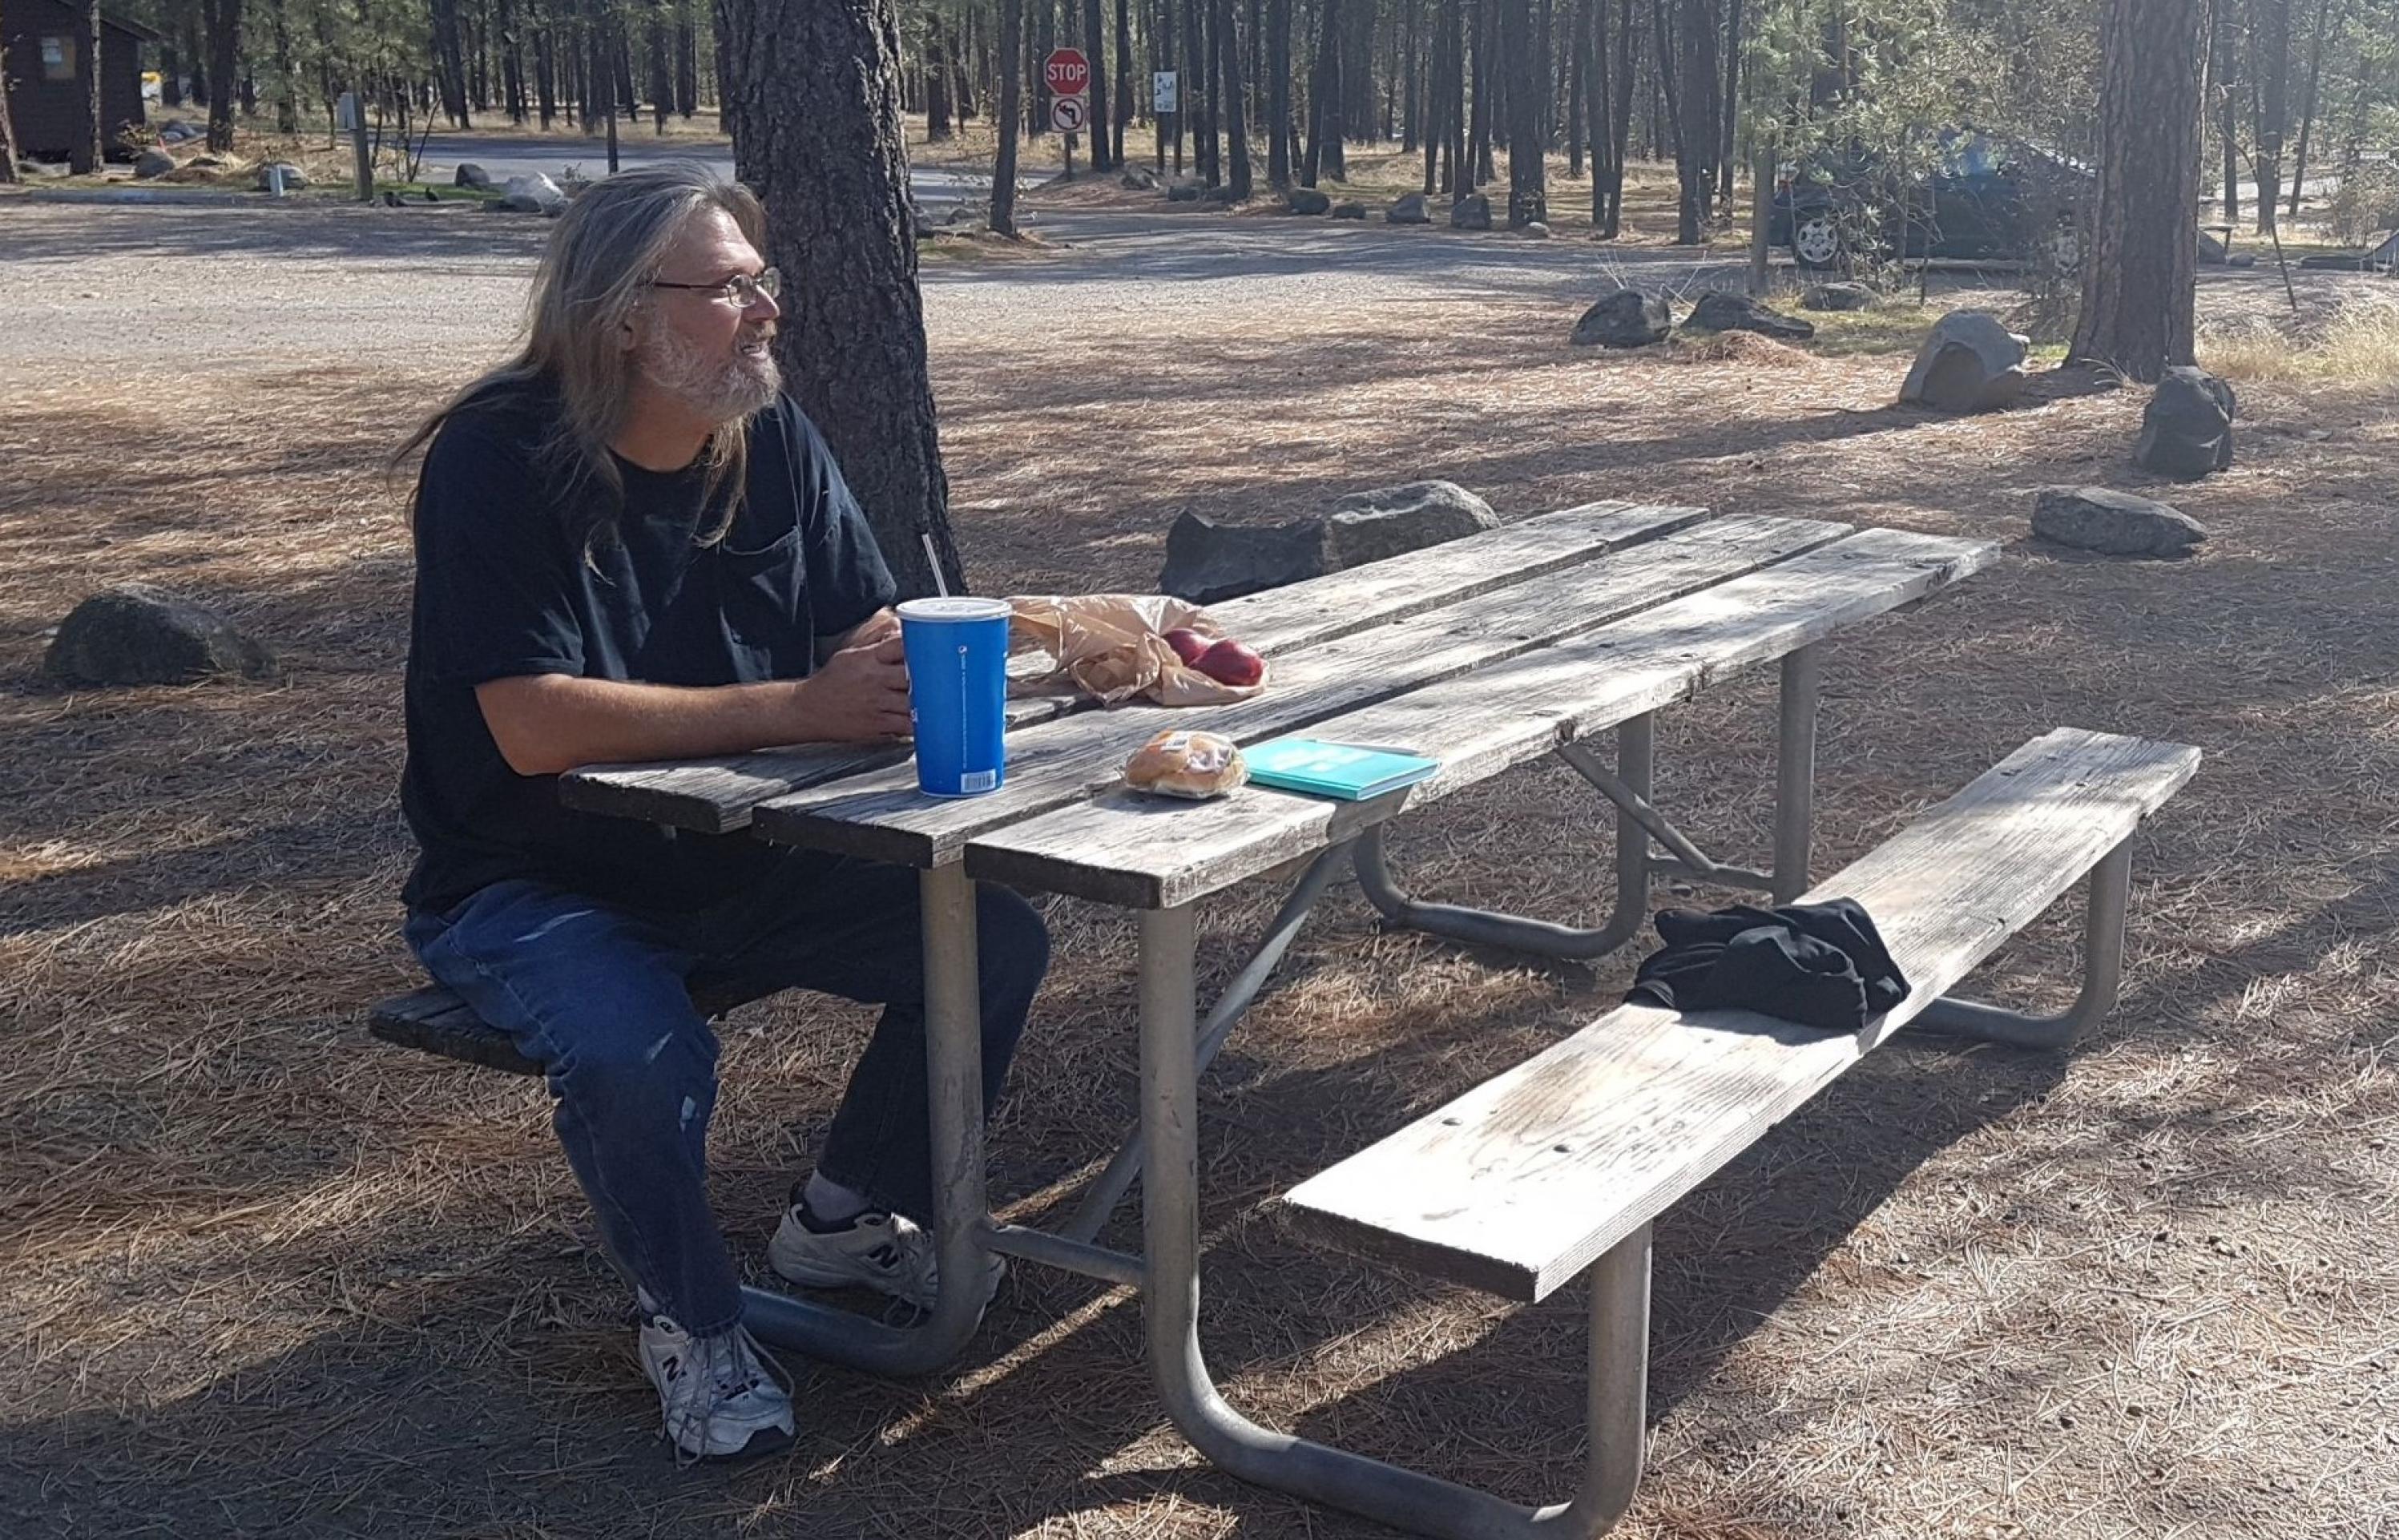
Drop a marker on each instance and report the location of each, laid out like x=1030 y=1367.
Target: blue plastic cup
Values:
x=957 y=692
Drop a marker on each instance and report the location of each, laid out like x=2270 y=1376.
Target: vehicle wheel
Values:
x=1816 y=240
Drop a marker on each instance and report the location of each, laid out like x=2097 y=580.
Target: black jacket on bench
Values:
x=1819 y=965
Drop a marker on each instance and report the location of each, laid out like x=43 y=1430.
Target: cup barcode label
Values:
x=978 y=780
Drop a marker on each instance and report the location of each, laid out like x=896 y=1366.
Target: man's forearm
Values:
x=547 y=723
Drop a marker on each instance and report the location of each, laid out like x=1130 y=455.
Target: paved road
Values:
x=156 y=292
x=517 y=155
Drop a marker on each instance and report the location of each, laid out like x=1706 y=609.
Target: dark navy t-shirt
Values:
x=508 y=585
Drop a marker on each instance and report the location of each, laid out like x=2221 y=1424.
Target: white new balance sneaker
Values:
x=722 y=1397
x=886 y=1252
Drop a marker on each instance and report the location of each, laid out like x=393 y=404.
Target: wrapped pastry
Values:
x=1187 y=765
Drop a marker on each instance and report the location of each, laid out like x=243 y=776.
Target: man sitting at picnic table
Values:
x=631 y=546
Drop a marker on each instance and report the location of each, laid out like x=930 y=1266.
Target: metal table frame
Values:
x=1176 y=1044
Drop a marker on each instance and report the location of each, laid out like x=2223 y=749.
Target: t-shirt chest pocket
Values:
x=761 y=593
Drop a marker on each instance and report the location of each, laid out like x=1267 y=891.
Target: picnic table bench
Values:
x=1484 y=653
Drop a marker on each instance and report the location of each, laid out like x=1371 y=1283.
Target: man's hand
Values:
x=875 y=627
x=861 y=692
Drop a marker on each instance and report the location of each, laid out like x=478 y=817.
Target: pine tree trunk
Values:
x=287 y=87
x=1237 y=137
x=1195 y=107
x=1278 y=92
x=687 y=67
x=937 y=79
x=545 y=77
x=812 y=98
x=1486 y=85
x=449 y=62
x=2308 y=108
x=84 y=155
x=2229 y=122
x=2138 y=283
x=224 y=67
x=1527 y=195
x=1095 y=44
x=1125 y=97
x=2272 y=41
x=1578 y=66
x=1011 y=90
x=1461 y=164
x=1727 y=108
x=661 y=72
x=1619 y=139
x=8 y=129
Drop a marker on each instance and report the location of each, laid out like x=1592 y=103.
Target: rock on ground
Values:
x=2186 y=427
x=1720 y=311
x=1368 y=526
x=136 y=634
x=1630 y=318
x=1837 y=296
x=1968 y=362
x=2100 y=518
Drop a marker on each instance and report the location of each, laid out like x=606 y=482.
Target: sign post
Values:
x=1165 y=102
x=1068 y=72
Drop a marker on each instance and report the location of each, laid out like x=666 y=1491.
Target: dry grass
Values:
x=2354 y=346
x=258 y=1276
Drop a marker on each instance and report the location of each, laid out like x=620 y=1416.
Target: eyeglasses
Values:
x=741 y=289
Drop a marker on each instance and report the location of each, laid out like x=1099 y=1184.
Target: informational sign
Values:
x=1163 y=94
x=1068 y=72
x=1068 y=114
x=345 y=111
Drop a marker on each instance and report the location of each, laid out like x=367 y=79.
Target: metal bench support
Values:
x=1404 y=1499
x=1638 y=822
x=2110 y=893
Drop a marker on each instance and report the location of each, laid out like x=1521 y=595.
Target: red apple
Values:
x=1230 y=663
x=1189 y=644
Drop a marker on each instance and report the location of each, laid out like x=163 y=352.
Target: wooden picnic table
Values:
x=1483 y=654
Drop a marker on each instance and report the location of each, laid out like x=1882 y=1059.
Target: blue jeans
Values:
x=598 y=996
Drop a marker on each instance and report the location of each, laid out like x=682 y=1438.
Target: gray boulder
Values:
x=1368 y=526
x=294 y=179
x=470 y=175
x=1471 y=212
x=2187 y=429
x=153 y=163
x=2095 y=519
x=135 y=634
x=531 y=195
x=1630 y=318
x=1719 y=311
x=1308 y=200
x=1183 y=192
x=1221 y=195
x=1352 y=210
x=1837 y=296
x=1968 y=362
x=1206 y=561
x=1139 y=178
x=1414 y=209
x=1536 y=230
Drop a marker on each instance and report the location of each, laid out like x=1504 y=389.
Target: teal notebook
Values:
x=1344 y=770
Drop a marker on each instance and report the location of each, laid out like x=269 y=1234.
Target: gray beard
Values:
x=718 y=390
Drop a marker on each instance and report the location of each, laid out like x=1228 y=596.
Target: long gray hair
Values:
x=594 y=279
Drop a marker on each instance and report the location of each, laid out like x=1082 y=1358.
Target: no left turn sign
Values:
x=1068 y=114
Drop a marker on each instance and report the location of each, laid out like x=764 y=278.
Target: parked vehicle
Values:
x=1987 y=198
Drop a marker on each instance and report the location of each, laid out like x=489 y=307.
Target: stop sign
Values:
x=1068 y=72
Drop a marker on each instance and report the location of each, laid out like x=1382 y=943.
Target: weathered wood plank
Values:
x=716 y=795
x=1522 y=1183
x=881 y=814
x=1150 y=853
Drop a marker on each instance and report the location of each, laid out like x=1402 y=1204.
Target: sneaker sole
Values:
x=770 y=1439
x=794 y=1268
